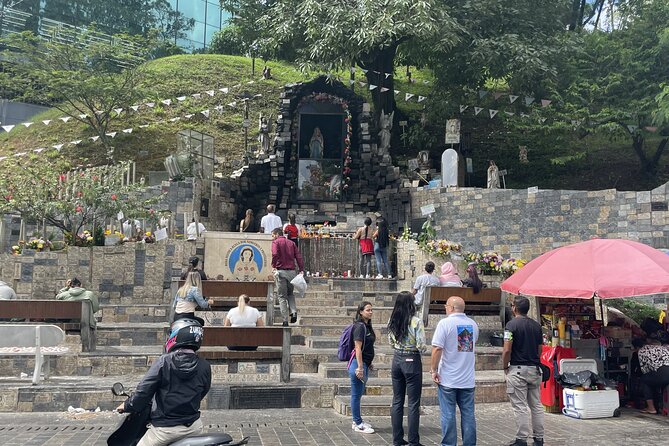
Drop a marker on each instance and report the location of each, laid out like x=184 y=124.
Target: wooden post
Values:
x=285 y=355
x=534 y=308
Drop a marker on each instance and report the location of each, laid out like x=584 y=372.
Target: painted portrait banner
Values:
x=238 y=256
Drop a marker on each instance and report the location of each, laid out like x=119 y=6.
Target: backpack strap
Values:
x=364 y=337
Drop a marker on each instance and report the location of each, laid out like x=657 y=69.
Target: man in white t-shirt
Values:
x=193 y=229
x=270 y=221
x=423 y=281
x=453 y=361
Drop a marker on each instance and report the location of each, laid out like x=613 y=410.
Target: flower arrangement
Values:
x=510 y=266
x=148 y=237
x=442 y=248
x=36 y=243
x=488 y=262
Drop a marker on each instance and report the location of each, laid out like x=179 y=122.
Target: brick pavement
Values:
x=316 y=427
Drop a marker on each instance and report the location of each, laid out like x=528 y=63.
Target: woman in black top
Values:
x=381 y=242
x=361 y=362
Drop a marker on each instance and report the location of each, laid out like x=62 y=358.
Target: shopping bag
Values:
x=299 y=285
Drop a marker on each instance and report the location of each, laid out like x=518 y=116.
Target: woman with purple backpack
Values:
x=361 y=362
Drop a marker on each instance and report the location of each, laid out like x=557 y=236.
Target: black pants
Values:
x=178 y=316
x=407 y=375
x=654 y=380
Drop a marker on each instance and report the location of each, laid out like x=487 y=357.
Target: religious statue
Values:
x=385 y=124
x=522 y=154
x=316 y=144
x=493 y=176
x=264 y=129
x=266 y=73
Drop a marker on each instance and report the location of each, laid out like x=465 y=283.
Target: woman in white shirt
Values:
x=244 y=315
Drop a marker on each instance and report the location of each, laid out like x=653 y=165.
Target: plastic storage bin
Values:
x=587 y=403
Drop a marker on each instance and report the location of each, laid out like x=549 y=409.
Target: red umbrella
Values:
x=606 y=268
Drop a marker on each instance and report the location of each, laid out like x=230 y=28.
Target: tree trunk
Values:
x=378 y=64
x=648 y=166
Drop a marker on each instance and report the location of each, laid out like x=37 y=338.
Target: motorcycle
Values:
x=133 y=428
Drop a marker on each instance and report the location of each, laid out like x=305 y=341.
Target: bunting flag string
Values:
x=372 y=87
x=493 y=113
x=512 y=98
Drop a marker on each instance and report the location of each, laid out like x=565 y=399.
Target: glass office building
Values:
x=209 y=18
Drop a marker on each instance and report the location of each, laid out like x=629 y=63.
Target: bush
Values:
x=637 y=311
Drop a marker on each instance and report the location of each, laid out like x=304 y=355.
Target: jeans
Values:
x=407 y=375
x=178 y=316
x=523 y=384
x=448 y=397
x=381 y=255
x=284 y=291
x=365 y=264
x=357 y=389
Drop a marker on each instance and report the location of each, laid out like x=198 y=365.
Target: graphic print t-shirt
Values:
x=456 y=335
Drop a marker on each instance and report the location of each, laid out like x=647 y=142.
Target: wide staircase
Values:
x=130 y=337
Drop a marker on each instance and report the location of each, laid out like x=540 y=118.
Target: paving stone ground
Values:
x=316 y=427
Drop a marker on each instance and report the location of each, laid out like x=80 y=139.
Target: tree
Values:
x=82 y=76
x=46 y=189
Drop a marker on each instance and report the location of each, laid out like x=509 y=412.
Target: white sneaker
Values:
x=361 y=276
x=390 y=277
x=364 y=423
x=367 y=276
x=363 y=429
x=379 y=276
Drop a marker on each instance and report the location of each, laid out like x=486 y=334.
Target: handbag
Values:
x=366 y=246
x=545 y=373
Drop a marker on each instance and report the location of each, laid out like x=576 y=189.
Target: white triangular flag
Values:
x=397 y=92
x=421 y=98
x=58 y=146
x=27 y=124
x=167 y=101
x=218 y=108
x=181 y=98
x=75 y=142
x=478 y=110
x=39 y=150
x=408 y=96
x=384 y=89
x=251 y=82
x=224 y=90
x=363 y=70
x=524 y=115
x=256 y=96
x=150 y=104
x=188 y=116
x=143 y=126
x=352 y=70
x=528 y=100
x=83 y=116
x=196 y=95
x=65 y=118
x=20 y=154
x=426 y=82
x=542 y=120
x=94 y=138
x=463 y=108
x=512 y=98
x=210 y=92
x=47 y=121
x=8 y=128
x=351 y=81
x=175 y=119
x=111 y=134
x=387 y=75
x=127 y=130
x=545 y=102
x=135 y=107
x=492 y=112
x=205 y=113
x=509 y=113
x=376 y=72
x=118 y=111
x=99 y=112
x=237 y=86
x=232 y=104
x=362 y=84
x=372 y=87
x=632 y=128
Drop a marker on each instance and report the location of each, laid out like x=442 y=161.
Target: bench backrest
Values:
x=228 y=288
x=441 y=294
x=24 y=335
x=40 y=309
x=243 y=336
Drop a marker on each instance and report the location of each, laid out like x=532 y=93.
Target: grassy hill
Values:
x=598 y=163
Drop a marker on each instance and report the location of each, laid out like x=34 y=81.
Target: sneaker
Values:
x=518 y=442
x=368 y=276
x=391 y=277
x=363 y=429
x=379 y=276
x=364 y=423
x=538 y=441
x=361 y=276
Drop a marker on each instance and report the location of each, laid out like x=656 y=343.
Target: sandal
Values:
x=649 y=412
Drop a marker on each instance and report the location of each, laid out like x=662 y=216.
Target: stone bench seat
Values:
x=58 y=350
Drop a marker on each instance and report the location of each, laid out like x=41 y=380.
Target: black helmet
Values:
x=185 y=333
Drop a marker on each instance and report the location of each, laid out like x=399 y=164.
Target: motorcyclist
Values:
x=175 y=385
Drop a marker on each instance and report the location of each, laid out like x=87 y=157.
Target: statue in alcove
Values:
x=264 y=129
x=316 y=144
x=385 y=124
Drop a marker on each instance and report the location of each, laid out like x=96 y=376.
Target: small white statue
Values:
x=264 y=129
x=386 y=125
x=493 y=176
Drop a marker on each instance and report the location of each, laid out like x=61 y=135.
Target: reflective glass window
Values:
x=210 y=33
x=214 y=15
x=194 y=9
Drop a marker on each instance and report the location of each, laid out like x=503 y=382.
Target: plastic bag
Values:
x=299 y=285
x=578 y=379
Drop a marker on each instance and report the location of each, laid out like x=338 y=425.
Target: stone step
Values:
x=131 y=334
x=134 y=313
x=351 y=284
x=380 y=405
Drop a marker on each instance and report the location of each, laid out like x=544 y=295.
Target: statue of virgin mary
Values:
x=316 y=144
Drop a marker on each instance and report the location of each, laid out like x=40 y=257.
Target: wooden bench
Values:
x=32 y=340
x=248 y=337
x=69 y=315
x=488 y=301
x=225 y=294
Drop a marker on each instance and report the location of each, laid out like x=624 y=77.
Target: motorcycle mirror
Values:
x=118 y=389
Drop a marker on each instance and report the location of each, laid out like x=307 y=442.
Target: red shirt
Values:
x=290 y=231
x=285 y=254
